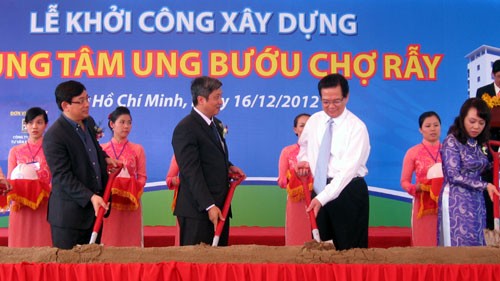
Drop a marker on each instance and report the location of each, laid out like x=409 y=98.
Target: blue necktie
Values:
x=214 y=131
x=216 y=134
x=325 y=147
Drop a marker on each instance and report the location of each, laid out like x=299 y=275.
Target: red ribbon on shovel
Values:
x=235 y=181
x=312 y=217
x=105 y=197
x=496 y=210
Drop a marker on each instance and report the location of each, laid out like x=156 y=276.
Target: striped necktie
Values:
x=325 y=147
x=216 y=134
x=214 y=131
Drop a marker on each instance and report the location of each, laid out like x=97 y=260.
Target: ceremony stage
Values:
x=249 y=262
x=379 y=237
x=177 y=271
x=164 y=236
x=265 y=260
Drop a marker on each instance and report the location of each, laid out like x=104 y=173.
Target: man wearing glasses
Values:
x=78 y=166
x=334 y=147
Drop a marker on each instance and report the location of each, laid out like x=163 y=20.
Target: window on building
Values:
x=478 y=67
x=479 y=79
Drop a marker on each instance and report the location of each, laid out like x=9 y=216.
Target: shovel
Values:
x=225 y=210
x=496 y=210
x=105 y=197
x=312 y=217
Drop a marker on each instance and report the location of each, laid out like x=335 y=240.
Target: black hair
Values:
x=483 y=111
x=333 y=80
x=426 y=115
x=119 y=111
x=203 y=86
x=66 y=91
x=296 y=119
x=33 y=113
x=495 y=67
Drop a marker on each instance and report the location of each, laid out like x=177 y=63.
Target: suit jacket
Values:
x=487 y=175
x=73 y=177
x=203 y=166
x=489 y=89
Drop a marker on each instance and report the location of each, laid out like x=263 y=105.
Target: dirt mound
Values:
x=492 y=237
x=309 y=253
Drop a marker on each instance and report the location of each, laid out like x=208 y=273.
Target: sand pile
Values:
x=309 y=253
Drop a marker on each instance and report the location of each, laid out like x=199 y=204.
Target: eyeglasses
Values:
x=81 y=100
x=335 y=102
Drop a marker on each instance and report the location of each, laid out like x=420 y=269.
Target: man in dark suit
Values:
x=202 y=155
x=78 y=166
x=492 y=89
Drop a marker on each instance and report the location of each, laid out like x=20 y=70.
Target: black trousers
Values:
x=195 y=231
x=490 y=218
x=67 y=238
x=345 y=219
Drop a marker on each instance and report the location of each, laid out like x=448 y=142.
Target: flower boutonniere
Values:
x=491 y=101
x=223 y=128
x=99 y=131
x=484 y=149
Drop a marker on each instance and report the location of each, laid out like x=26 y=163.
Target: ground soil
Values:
x=311 y=252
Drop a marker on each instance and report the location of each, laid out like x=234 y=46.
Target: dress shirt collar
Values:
x=73 y=123
x=337 y=120
x=208 y=120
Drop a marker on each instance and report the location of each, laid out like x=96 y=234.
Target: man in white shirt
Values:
x=341 y=200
